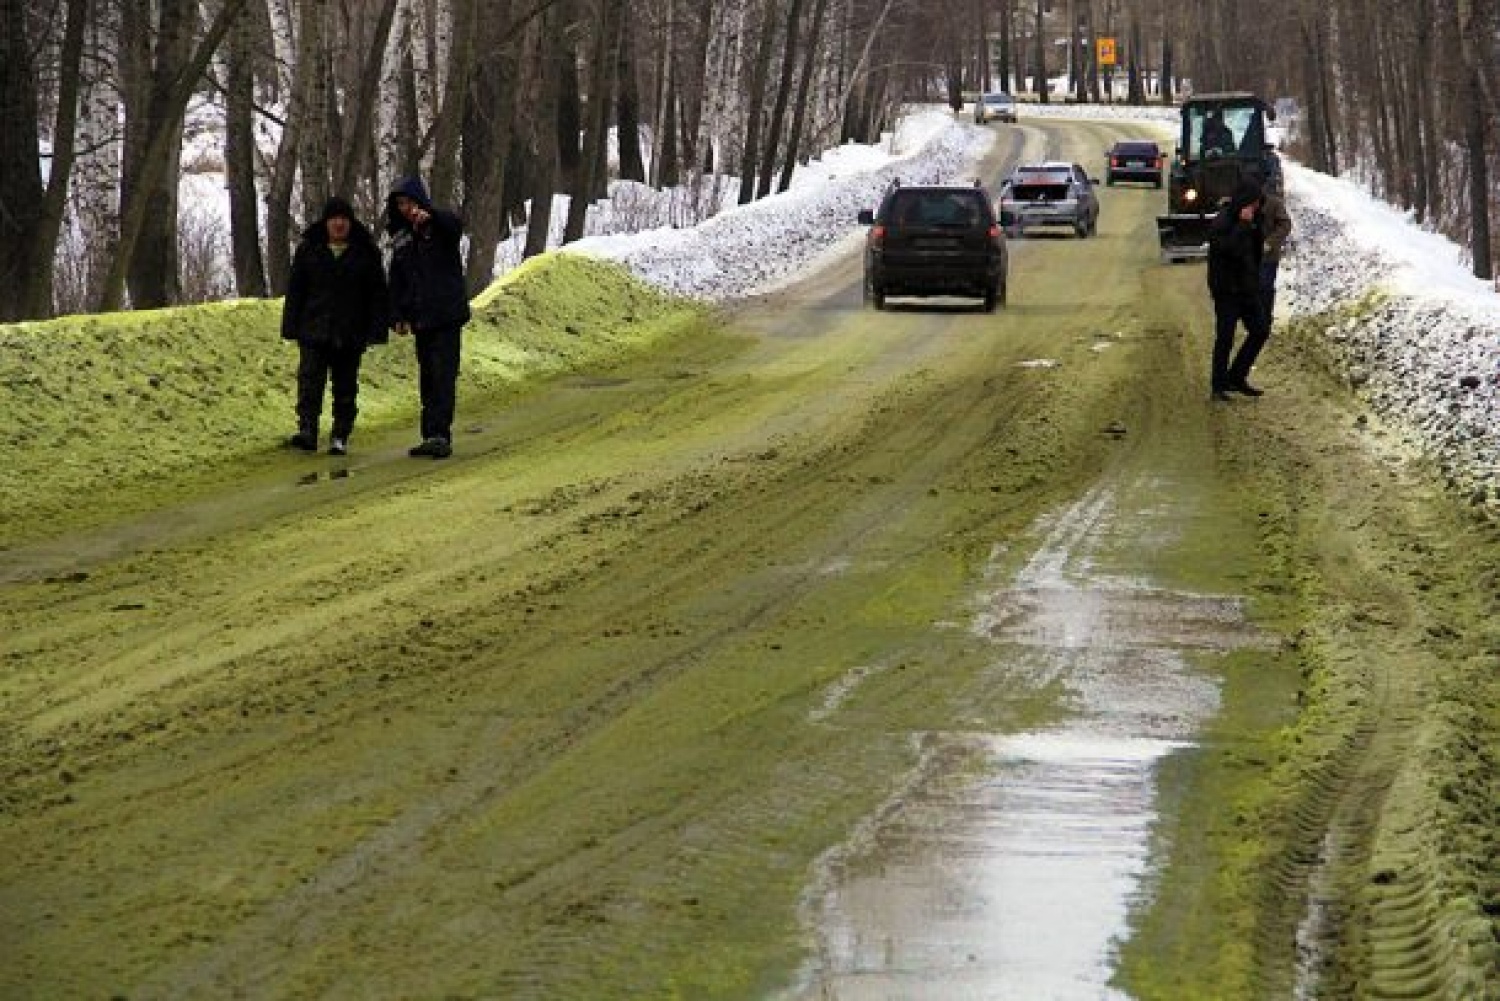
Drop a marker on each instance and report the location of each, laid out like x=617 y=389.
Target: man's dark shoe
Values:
x=305 y=440
x=434 y=448
x=1219 y=396
x=338 y=446
x=1246 y=389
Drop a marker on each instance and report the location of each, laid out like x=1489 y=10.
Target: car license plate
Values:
x=934 y=243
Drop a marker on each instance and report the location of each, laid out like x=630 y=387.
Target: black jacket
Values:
x=1235 y=249
x=427 y=268
x=336 y=302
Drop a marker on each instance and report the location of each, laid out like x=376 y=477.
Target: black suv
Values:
x=935 y=240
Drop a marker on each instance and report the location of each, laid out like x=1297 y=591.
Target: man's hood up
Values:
x=410 y=187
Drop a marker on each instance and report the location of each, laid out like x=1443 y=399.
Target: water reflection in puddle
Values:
x=1013 y=880
x=311 y=479
x=1013 y=886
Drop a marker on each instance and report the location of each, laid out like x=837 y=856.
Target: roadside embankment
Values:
x=132 y=408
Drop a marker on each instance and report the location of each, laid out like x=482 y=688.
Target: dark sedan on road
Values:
x=1135 y=160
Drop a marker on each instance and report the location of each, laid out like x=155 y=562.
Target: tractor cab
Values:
x=1222 y=142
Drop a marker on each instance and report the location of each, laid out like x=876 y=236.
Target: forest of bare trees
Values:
x=505 y=105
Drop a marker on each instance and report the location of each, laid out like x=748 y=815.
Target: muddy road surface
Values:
x=820 y=653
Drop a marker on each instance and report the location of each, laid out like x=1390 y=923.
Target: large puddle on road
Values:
x=1007 y=866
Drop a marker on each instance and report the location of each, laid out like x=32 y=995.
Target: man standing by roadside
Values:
x=1236 y=246
x=335 y=307
x=430 y=301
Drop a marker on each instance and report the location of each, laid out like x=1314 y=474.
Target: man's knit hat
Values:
x=335 y=207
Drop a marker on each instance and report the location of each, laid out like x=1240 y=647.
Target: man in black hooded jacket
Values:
x=429 y=300
x=335 y=308
x=1236 y=242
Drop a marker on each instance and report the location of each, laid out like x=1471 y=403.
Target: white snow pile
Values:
x=1425 y=356
x=748 y=248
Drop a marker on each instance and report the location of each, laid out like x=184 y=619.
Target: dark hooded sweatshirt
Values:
x=1235 y=248
x=336 y=301
x=427 y=269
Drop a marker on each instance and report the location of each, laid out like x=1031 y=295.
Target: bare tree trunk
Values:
x=157 y=157
x=569 y=117
x=554 y=61
x=359 y=148
x=1316 y=83
x=21 y=189
x=755 y=101
x=982 y=46
x=153 y=154
x=783 y=96
x=592 y=173
x=690 y=80
x=1478 y=134
x=284 y=168
x=398 y=125
x=1075 y=62
x=628 y=107
x=1388 y=135
x=239 y=162
x=857 y=78
x=663 y=93
x=1431 y=140
x=94 y=199
x=804 y=87
x=36 y=292
x=488 y=132
x=1168 y=64
x=448 y=123
x=1007 y=33
x=1478 y=28
x=1039 y=71
x=312 y=150
x=1135 y=86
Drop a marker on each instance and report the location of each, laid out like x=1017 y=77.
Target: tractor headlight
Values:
x=1190 y=195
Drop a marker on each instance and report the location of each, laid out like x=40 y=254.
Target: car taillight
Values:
x=877 y=236
x=996 y=233
x=1114 y=161
x=1158 y=163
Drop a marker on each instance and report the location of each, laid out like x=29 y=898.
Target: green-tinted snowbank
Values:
x=93 y=404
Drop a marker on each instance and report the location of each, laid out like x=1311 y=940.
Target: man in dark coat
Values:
x=1236 y=242
x=335 y=307
x=429 y=300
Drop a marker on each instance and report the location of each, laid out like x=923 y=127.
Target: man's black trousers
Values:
x=316 y=368
x=1230 y=312
x=437 y=365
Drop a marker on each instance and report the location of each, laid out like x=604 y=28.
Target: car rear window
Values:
x=1030 y=191
x=998 y=99
x=938 y=208
x=1136 y=149
x=1034 y=172
x=1050 y=177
